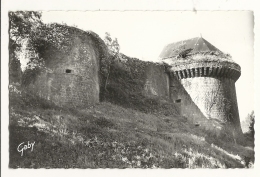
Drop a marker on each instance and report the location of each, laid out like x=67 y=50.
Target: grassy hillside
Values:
x=112 y=136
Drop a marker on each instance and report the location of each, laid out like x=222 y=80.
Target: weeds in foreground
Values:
x=110 y=136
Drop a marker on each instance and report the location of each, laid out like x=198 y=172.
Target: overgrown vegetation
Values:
x=181 y=55
x=113 y=48
x=248 y=128
x=207 y=56
x=21 y=26
x=125 y=87
x=43 y=42
x=110 y=136
x=180 y=52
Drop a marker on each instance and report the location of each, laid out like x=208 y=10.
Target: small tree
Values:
x=251 y=123
x=34 y=40
x=248 y=127
x=112 y=44
x=114 y=49
x=22 y=25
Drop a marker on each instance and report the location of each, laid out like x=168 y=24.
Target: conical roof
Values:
x=197 y=44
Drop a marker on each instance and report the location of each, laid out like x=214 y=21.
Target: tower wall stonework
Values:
x=211 y=87
x=215 y=97
x=184 y=102
x=189 y=109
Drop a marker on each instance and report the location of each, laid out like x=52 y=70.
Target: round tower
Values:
x=208 y=76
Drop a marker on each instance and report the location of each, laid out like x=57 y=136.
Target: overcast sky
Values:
x=144 y=34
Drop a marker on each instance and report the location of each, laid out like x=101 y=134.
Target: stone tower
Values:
x=208 y=76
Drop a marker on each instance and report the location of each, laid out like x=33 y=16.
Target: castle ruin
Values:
x=196 y=76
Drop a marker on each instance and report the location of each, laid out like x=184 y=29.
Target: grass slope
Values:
x=112 y=136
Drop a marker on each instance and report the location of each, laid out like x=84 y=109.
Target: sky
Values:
x=143 y=34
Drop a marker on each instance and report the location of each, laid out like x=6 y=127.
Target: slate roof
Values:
x=198 y=44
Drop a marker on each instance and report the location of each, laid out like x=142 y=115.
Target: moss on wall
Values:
x=156 y=82
x=139 y=85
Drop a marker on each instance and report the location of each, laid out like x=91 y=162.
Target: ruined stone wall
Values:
x=156 y=81
x=71 y=80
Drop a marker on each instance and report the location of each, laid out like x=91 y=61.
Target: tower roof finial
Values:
x=200 y=35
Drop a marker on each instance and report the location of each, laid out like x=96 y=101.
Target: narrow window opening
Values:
x=178 y=101
x=68 y=70
x=197 y=124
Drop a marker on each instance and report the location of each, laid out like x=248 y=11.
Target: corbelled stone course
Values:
x=212 y=69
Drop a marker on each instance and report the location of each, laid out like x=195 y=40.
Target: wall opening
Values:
x=197 y=124
x=68 y=70
x=178 y=101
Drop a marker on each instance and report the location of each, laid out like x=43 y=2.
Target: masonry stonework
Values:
x=216 y=98
x=211 y=87
x=202 y=89
x=184 y=102
x=202 y=83
x=156 y=82
x=71 y=80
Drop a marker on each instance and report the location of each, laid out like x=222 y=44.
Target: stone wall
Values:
x=207 y=69
x=215 y=97
x=186 y=106
x=71 y=80
x=156 y=81
x=211 y=87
